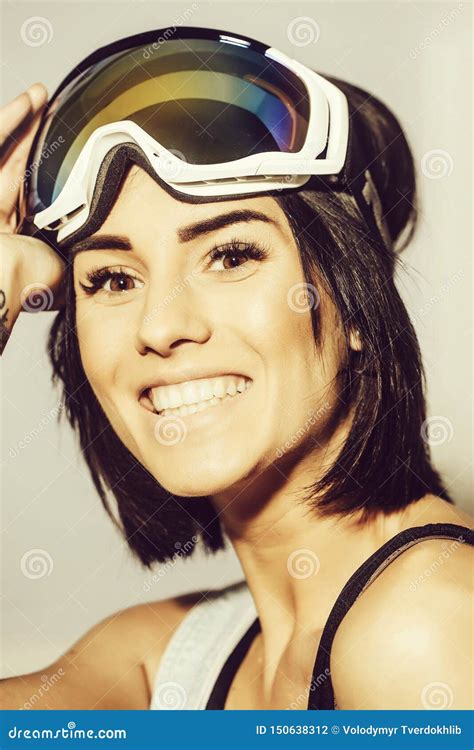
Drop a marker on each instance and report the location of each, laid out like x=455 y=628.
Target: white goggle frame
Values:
x=328 y=128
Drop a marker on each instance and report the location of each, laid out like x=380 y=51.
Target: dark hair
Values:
x=384 y=463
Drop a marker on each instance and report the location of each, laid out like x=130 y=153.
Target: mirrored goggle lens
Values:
x=207 y=101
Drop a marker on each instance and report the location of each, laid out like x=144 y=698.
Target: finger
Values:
x=12 y=115
x=15 y=111
x=13 y=172
x=12 y=176
x=25 y=111
x=38 y=94
x=20 y=113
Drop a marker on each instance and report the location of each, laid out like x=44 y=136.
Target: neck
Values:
x=295 y=560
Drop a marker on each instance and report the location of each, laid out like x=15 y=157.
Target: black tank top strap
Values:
x=321 y=695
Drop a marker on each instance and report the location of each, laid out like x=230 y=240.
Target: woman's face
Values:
x=180 y=310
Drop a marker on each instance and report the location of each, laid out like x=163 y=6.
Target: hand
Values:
x=29 y=268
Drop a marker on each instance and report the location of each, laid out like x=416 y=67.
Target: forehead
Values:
x=141 y=202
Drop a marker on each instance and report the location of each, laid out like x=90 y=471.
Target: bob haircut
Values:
x=384 y=464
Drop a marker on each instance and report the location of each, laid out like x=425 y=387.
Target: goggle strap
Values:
x=356 y=178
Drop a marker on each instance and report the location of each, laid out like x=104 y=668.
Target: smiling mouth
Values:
x=192 y=397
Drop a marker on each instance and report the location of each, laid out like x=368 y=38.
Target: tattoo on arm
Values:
x=4 y=332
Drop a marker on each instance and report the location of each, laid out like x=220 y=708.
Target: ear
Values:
x=355 y=340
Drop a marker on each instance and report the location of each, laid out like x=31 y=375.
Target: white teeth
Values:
x=196 y=391
x=241 y=385
x=164 y=399
x=220 y=387
x=183 y=411
x=232 y=388
x=174 y=397
x=204 y=389
x=188 y=393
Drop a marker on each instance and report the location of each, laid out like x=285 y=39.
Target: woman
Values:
x=236 y=359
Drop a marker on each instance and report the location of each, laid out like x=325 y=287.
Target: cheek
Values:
x=300 y=380
x=280 y=329
x=103 y=345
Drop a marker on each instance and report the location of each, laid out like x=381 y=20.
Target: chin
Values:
x=207 y=478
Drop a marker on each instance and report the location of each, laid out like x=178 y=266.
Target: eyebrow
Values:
x=185 y=234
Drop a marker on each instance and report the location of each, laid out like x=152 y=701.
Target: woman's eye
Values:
x=235 y=256
x=112 y=282
x=121 y=282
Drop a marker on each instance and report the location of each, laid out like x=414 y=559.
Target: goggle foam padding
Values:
x=108 y=182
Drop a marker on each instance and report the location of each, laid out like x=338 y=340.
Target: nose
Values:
x=170 y=317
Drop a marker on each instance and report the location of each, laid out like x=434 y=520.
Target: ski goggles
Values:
x=208 y=114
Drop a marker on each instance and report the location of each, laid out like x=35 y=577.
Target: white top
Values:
x=200 y=646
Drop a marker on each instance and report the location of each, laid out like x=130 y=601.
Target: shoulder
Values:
x=406 y=641
x=113 y=665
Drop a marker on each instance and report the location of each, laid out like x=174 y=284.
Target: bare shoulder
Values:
x=111 y=666
x=433 y=509
x=139 y=634
x=164 y=617
x=406 y=641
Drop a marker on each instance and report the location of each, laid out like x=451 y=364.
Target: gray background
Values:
x=417 y=58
